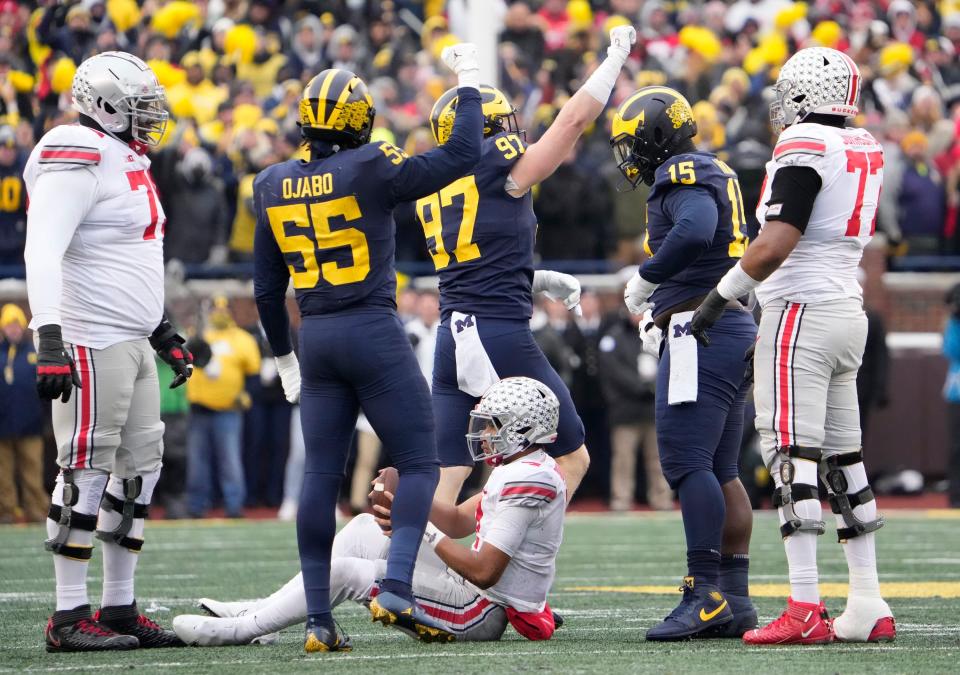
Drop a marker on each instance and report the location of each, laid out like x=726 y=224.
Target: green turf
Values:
x=604 y=631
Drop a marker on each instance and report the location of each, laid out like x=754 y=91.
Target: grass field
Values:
x=616 y=576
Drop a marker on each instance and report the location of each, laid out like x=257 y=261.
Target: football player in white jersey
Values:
x=94 y=259
x=818 y=211
x=504 y=577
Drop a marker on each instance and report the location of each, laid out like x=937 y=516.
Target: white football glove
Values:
x=289 y=370
x=558 y=286
x=637 y=293
x=462 y=59
x=622 y=39
x=650 y=335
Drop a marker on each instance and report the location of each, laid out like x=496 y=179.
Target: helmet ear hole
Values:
x=800 y=98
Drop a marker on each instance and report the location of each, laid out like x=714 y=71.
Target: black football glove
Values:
x=707 y=314
x=56 y=371
x=748 y=357
x=169 y=346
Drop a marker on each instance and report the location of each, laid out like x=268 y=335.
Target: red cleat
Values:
x=803 y=623
x=885 y=630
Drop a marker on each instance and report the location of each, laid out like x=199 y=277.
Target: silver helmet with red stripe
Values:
x=513 y=415
x=122 y=94
x=815 y=80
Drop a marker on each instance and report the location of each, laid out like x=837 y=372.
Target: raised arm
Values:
x=543 y=157
x=424 y=174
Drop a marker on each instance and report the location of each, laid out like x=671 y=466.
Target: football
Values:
x=387 y=481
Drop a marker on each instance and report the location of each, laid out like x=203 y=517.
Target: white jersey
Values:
x=521 y=513
x=112 y=267
x=824 y=264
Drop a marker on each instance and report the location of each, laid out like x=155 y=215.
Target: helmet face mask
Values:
x=121 y=94
x=514 y=415
x=633 y=165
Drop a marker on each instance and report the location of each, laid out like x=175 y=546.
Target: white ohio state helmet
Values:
x=121 y=93
x=513 y=415
x=815 y=80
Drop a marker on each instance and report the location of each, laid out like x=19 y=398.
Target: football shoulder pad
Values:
x=69 y=147
x=806 y=145
x=531 y=484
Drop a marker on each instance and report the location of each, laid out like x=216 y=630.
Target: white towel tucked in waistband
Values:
x=683 y=360
x=475 y=372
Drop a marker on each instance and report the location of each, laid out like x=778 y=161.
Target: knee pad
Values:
x=789 y=492
x=130 y=498
x=79 y=489
x=834 y=471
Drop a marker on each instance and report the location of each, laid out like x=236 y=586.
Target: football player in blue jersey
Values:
x=695 y=233
x=480 y=231
x=328 y=224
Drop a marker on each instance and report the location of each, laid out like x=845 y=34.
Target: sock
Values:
x=71 y=575
x=734 y=574
x=860 y=551
x=285 y=608
x=119 y=562
x=801 y=547
x=411 y=508
x=316 y=526
x=703 y=510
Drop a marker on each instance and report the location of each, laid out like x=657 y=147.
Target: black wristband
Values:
x=162 y=334
x=51 y=330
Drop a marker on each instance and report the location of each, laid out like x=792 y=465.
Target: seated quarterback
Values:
x=504 y=576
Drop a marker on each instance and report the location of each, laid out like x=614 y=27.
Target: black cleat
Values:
x=557 y=621
x=703 y=610
x=127 y=620
x=324 y=639
x=74 y=630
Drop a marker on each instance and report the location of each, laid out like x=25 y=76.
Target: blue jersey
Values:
x=328 y=223
x=696 y=229
x=332 y=220
x=481 y=239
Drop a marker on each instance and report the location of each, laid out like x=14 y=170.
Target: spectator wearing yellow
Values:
x=196 y=97
x=21 y=423
x=228 y=356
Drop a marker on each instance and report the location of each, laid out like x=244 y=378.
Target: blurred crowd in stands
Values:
x=234 y=69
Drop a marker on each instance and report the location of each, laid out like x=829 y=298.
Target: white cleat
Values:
x=865 y=620
x=226 y=610
x=208 y=631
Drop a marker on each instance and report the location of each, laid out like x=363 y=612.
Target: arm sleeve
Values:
x=421 y=175
x=270 y=280
x=694 y=213
x=792 y=195
x=510 y=527
x=59 y=201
